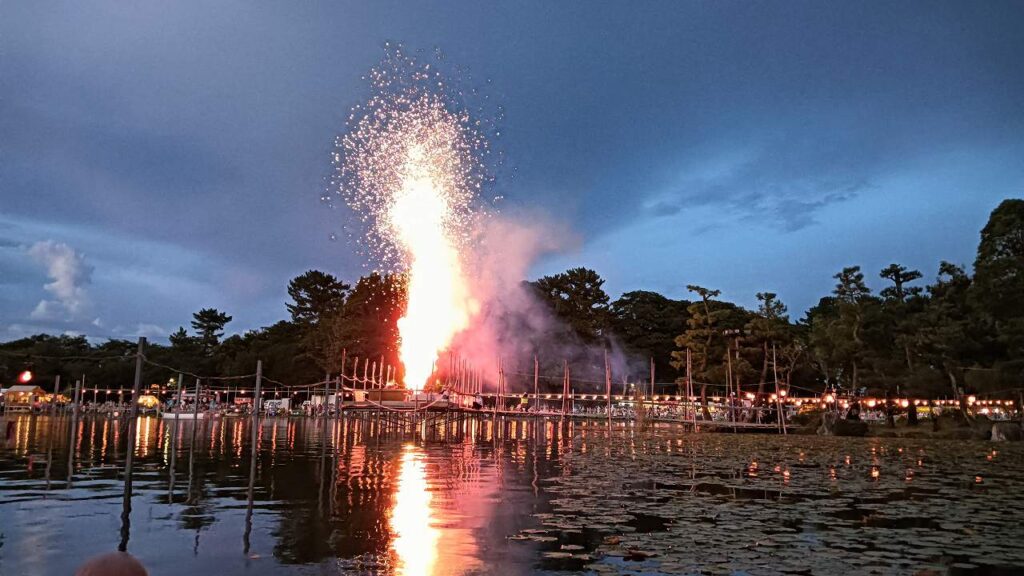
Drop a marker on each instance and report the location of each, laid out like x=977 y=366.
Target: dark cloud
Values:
x=195 y=136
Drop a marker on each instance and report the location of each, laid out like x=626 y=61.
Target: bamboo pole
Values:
x=536 y=384
x=608 y=387
x=689 y=382
x=565 y=376
x=729 y=383
x=73 y=436
x=133 y=412
x=254 y=453
x=341 y=388
x=778 y=397
x=652 y=379
x=174 y=439
x=56 y=392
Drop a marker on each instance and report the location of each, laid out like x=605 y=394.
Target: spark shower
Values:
x=412 y=163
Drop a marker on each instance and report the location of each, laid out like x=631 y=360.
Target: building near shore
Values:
x=21 y=397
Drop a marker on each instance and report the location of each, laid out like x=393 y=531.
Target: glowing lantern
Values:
x=904 y=403
x=830 y=398
x=25 y=377
x=871 y=403
x=148 y=401
x=783 y=393
x=971 y=399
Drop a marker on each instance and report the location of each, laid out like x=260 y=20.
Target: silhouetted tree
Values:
x=209 y=325
x=578 y=299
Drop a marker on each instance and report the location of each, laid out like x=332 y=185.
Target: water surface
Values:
x=362 y=495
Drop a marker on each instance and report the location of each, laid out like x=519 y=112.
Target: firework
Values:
x=412 y=165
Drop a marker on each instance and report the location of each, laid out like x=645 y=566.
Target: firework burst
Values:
x=412 y=165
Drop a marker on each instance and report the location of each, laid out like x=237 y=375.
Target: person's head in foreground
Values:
x=112 y=564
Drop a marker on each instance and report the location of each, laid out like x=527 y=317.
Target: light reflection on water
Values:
x=363 y=495
x=375 y=496
x=412 y=520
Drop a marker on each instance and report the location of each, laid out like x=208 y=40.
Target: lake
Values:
x=368 y=495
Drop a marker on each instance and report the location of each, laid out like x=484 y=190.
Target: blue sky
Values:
x=169 y=156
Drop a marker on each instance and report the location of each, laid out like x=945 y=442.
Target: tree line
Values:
x=960 y=331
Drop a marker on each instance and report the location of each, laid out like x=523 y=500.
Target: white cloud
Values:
x=150 y=331
x=70 y=276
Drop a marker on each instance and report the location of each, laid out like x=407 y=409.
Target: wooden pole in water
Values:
x=192 y=441
x=455 y=374
x=689 y=384
x=536 y=384
x=728 y=381
x=56 y=392
x=133 y=412
x=53 y=424
x=326 y=407
x=73 y=436
x=652 y=378
x=171 y=469
x=254 y=451
x=608 y=387
x=341 y=387
x=778 y=397
x=565 y=387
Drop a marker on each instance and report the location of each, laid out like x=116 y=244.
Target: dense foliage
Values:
x=957 y=333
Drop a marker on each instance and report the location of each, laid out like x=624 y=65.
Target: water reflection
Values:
x=416 y=538
x=361 y=495
x=368 y=495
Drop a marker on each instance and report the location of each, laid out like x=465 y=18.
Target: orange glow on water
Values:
x=415 y=541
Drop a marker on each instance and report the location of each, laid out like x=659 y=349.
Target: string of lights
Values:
x=29 y=356
x=187 y=373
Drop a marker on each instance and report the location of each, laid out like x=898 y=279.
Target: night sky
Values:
x=159 y=157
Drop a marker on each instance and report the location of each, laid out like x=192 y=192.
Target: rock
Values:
x=1006 y=432
x=833 y=425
